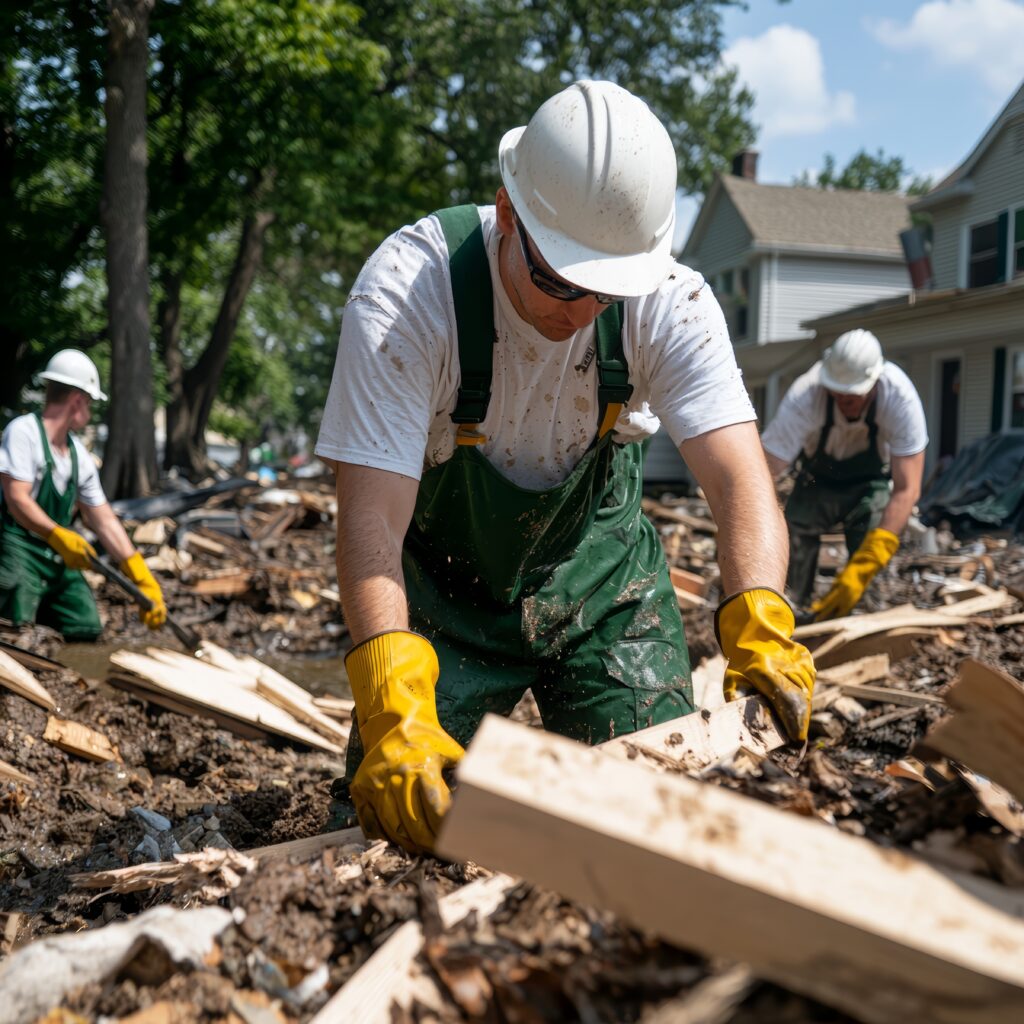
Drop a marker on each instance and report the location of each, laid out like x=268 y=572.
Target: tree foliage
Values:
x=286 y=139
x=867 y=172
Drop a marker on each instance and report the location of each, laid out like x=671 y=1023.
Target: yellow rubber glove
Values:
x=137 y=571
x=399 y=792
x=755 y=631
x=848 y=588
x=72 y=547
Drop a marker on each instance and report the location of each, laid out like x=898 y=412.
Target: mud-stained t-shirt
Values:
x=396 y=375
x=23 y=458
x=798 y=424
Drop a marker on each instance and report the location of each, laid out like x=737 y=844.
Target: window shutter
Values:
x=998 y=389
x=1002 y=245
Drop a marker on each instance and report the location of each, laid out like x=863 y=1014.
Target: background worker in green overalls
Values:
x=47 y=475
x=498 y=372
x=850 y=422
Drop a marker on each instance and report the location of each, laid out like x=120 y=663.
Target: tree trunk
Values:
x=169 y=327
x=129 y=465
x=186 y=447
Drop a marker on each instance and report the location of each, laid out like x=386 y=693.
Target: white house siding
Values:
x=998 y=181
x=725 y=244
x=806 y=288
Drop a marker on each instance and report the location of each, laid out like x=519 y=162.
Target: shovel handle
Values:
x=187 y=636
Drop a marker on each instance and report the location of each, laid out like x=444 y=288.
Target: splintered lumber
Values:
x=986 y=730
x=8 y=773
x=30 y=659
x=227 y=585
x=278 y=689
x=892 y=940
x=79 y=739
x=674 y=515
x=303 y=849
x=19 y=680
x=706 y=736
x=368 y=995
x=689 y=581
x=336 y=707
x=890 y=695
x=231 y=702
x=707 y=679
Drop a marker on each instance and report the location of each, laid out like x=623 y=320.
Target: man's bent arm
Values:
x=25 y=510
x=374 y=511
x=753 y=547
x=907 y=471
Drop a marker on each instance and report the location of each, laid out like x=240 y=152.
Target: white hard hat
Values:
x=593 y=179
x=853 y=363
x=69 y=366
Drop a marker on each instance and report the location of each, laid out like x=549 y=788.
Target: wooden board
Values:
x=674 y=515
x=890 y=695
x=368 y=995
x=29 y=659
x=79 y=739
x=704 y=737
x=986 y=729
x=233 y=702
x=689 y=581
x=222 y=586
x=279 y=690
x=19 y=680
x=895 y=644
x=892 y=940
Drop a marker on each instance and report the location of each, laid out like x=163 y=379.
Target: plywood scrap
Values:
x=79 y=739
x=731 y=877
x=16 y=678
x=369 y=994
x=986 y=730
x=233 y=703
x=707 y=679
x=229 y=584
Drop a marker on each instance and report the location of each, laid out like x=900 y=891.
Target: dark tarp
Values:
x=174 y=503
x=982 y=488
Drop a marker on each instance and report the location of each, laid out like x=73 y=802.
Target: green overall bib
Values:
x=35 y=584
x=564 y=591
x=851 y=493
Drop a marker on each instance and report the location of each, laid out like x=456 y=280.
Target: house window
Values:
x=1018 y=243
x=1017 y=388
x=983 y=263
x=742 y=303
x=726 y=278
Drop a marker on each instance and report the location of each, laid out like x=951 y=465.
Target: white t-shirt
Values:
x=798 y=424
x=396 y=375
x=23 y=458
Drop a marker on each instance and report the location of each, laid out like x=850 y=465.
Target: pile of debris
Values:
x=697 y=871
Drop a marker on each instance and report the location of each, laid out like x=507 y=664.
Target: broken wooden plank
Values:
x=986 y=730
x=706 y=736
x=8 y=773
x=233 y=702
x=728 y=876
x=368 y=995
x=336 y=707
x=890 y=695
x=687 y=600
x=76 y=738
x=29 y=659
x=19 y=680
x=306 y=848
x=278 y=689
x=675 y=515
x=689 y=581
x=228 y=585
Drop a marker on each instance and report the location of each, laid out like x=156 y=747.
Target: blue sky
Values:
x=920 y=79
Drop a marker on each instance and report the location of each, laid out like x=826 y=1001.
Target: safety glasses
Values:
x=551 y=285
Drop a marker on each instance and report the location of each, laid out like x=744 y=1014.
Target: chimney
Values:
x=744 y=164
x=915 y=252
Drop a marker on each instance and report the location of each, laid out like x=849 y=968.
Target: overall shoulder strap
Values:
x=613 y=387
x=829 y=420
x=74 y=462
x=47 y=454
x=474 y=309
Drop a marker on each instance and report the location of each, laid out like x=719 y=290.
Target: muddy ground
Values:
x=538 y=959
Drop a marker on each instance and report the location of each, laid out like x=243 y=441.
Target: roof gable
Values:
x=957 y=183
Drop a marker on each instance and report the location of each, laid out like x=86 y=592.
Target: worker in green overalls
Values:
x=499 y=371
x=48 y=476
x=855 y=426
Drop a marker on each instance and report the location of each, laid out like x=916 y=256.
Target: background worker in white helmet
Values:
x=498 y=370
x=47 y=475
x=852 y=422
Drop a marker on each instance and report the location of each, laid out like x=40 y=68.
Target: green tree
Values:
x=877 y=173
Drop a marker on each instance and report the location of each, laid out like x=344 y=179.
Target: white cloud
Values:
x=784 y=69
x=983 y=36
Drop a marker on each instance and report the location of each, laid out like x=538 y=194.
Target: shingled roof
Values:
x=810 y=218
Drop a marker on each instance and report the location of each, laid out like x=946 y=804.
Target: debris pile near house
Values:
x=700 y=870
